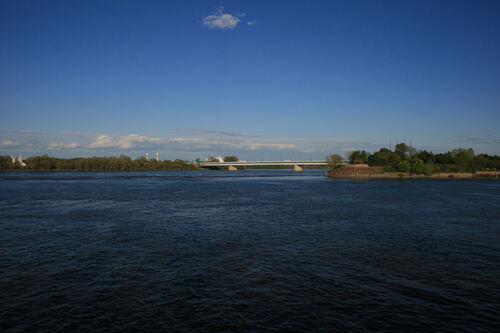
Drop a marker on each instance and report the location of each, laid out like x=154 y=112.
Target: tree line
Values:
x=112 y=163
x=406 y=158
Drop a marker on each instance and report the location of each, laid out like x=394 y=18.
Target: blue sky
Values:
x=256 y=79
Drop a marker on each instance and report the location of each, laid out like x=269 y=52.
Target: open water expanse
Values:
x=265 y=250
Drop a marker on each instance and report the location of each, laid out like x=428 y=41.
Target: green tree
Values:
x=417 y=165
x=6 y=163
x=401 y=149
x=463 y=158
x=486 y=162
x=425 y=156
x=230 y=159
x=404 y=166
x=383 y=157
x=428 y=168
x=358 y=153
x=333 y=161
x=42 y=163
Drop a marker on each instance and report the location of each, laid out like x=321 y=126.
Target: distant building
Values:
x=214 y=159
x=358 y=160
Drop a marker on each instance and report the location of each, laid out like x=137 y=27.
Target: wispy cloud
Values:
x=61 y=145
x=186 y=143
x=487 y=139
x=228 y=133
x=252 y=22
x=9 y=143
x=19 y=131
x=23 y=131
x=221 y=20
x=214 y=143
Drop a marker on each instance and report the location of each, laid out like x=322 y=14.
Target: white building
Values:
x=214 y=159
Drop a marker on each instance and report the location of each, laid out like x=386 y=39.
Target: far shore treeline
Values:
x=403 y=158
x=406 y=158
x=122 y=163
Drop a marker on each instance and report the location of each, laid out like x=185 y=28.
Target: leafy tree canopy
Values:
x=333 y=161
x=230 y=159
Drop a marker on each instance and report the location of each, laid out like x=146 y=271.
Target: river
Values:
x=262 y=250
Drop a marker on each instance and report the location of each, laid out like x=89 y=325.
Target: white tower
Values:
x=147 y=156
x=20 y=161
x=157 y=157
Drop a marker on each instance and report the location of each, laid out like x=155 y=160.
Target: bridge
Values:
x=262 y=163
x=295 y=164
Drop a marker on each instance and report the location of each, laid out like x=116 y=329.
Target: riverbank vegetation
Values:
x=406 y=158
x=122 y=163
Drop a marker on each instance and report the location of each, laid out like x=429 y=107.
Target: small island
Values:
x=407 y=163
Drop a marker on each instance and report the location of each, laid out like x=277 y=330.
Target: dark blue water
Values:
x=247 y=251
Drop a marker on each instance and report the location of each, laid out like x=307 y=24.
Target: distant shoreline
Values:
x=368 y=173
x=447 y=175
x=130 y=170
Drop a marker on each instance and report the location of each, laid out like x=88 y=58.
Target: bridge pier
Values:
x=232 y=168
x=297 y=168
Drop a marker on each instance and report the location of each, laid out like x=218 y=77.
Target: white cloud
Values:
x=269 y=146
x=218 y=143
x=221 y=20
x=9 y=143
x=103 y=141
x=252 y=22
x=123 y=142
x=61 y=145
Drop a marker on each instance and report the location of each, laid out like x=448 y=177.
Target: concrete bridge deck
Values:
x=263 y=163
